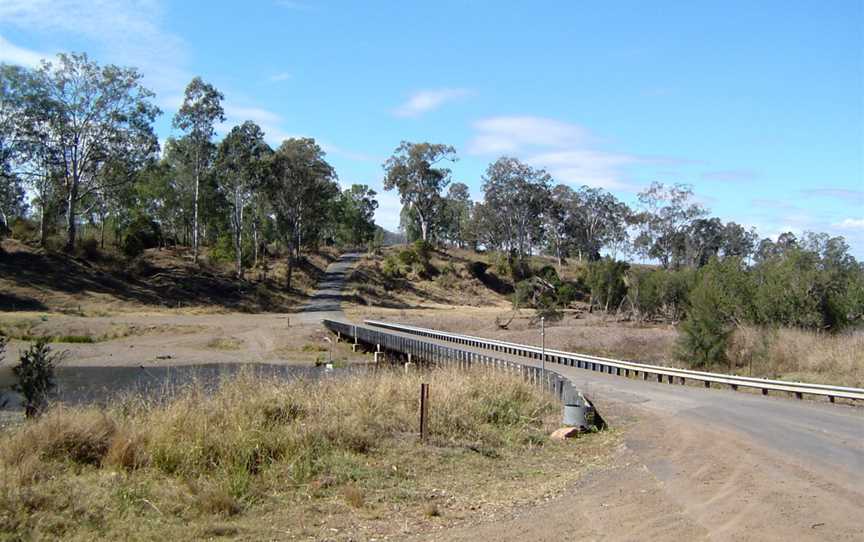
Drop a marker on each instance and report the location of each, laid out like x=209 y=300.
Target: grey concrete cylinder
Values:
x=576 y=415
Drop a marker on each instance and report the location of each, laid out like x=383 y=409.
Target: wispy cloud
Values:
x=497 y=135
x=851 y=224
x=127 y=32
x=730 y=175
x=428 y=100
x=12 y=54
x=283 y=76
x=568 y=151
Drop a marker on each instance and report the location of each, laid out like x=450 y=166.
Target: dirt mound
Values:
x=37 y=279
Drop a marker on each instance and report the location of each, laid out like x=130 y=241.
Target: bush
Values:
x=719 y=301
x=90 y=249
x=704 y=335
x=477 y=270
x=606 y=281
x=24 y=229
x=391 y=267
x=35 y=374
x=139 y=235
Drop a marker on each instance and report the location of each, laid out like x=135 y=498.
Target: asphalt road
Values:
x=326 y=302
x=718 y=464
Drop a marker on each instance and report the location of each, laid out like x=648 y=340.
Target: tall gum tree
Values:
x=240 y=170
x=301 y=186
x=411 y=170
x=201 y=110
x=520 y=195
x=92 y=119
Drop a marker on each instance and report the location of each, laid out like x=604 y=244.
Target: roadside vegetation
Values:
x=264 y=459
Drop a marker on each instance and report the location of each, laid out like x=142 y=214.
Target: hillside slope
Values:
x=39 y=280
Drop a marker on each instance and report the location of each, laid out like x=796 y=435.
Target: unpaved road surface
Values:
x=169 y=338
x=699 y=464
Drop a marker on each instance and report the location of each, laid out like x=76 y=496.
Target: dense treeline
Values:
x=713 y=276
x=79 y=137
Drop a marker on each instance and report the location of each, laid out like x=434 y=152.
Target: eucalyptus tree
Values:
x=11 y=105
x=26 y=157
x=96 y=119
x=239 y=174
x=519 y=195
x=666 y=214
x=457 y=208
x=355 y=215
x=300 y=186
x=201 y=110
x=412 y=171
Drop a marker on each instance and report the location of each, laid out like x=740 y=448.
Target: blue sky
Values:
x=759 y=107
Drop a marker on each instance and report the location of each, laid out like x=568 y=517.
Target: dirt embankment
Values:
x=34 y=279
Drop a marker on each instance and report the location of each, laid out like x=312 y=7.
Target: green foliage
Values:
x=658 y=293
x=605 y=278
x=391 y=267
x=705 y=333
x=223 y=249
x=24 y=229
x=140 y=234
x=545 y=292
x=35 y=374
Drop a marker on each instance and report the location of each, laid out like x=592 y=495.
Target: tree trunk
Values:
x=238 y=233
x=290 y=270
x=195 y=210
x=70 y=216
x=255 y=242
x=42 y=224
x=102 y=232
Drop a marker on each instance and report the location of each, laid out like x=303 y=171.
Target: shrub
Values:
x=477 y=270
x=391 y=267
x=704 y=334
x=407 y=257
x=24 y=229
x=139 y=235
x=719 y=300
x=606 y=281
x=35 y=374
x=90 y=249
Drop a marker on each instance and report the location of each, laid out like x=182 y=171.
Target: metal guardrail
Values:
x=620 y=367
x=423 y=349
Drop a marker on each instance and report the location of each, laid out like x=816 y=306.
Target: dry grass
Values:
x=793 y=354
x=340 y=451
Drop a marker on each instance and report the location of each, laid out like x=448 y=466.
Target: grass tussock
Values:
x=255 y=446
x=794 y=354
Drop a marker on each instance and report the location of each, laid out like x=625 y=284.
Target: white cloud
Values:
x=427 y=100
x=582 y=166
x=497 y=135
x=278 y=77
x=851 y=224
x=127 y=32
x=563 y=149
x=12 y=54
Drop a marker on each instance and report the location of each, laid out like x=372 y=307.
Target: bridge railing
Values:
x=625 y=368
x=419 y=349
